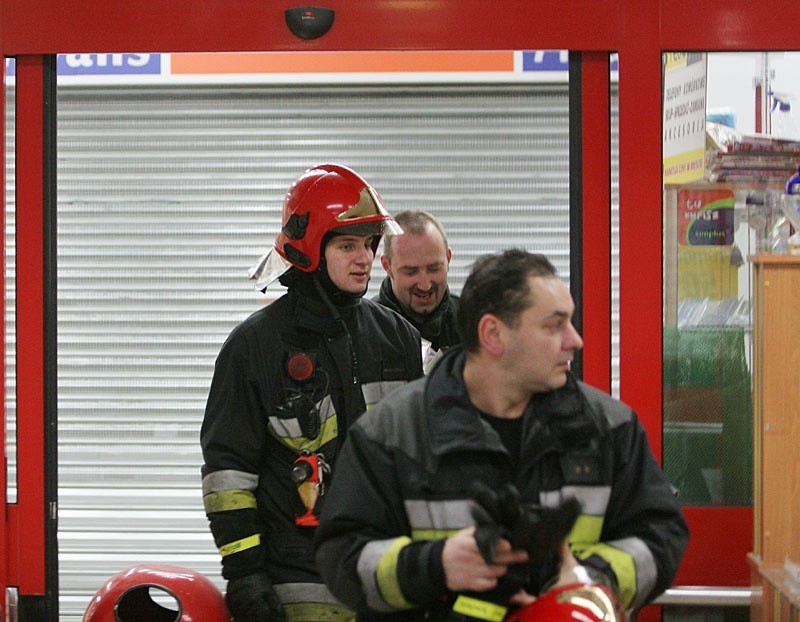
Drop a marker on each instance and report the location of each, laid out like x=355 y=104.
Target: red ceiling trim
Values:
x=47 y=26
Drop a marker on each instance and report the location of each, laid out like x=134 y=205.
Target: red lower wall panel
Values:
x=728 y=532
x=731 y=528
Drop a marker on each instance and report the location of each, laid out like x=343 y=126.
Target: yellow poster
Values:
x=684 y=117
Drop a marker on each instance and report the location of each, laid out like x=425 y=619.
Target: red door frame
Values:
x=640 y=30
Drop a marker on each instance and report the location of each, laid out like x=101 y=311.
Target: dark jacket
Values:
x=409 y=462
x=439 y=327
x=290 y=379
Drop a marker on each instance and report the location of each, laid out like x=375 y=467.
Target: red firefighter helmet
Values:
x=577 y=602
x=157 y=593
x=326 y=197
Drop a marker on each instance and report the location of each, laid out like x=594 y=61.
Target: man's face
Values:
x=418 y=271
x=539 y=351
x=349 y=262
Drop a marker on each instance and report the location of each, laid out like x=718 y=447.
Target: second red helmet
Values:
x=578 y=602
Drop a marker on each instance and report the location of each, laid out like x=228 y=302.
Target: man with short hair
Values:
x=417 y=264
x=401 y=538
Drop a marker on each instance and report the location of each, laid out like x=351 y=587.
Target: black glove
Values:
x=252 y=599
x=496 y=514
x=538 y=530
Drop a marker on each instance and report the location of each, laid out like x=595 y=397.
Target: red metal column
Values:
x=4 y=540
x=640 y=235
x=596 y=189
x=27 y=518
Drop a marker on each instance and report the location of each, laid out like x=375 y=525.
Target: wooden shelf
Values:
x=773 y=599
x=776 y=407
x=776 y=435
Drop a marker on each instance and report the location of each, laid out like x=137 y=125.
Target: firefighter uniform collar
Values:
x=314 y=313
x=556 y=419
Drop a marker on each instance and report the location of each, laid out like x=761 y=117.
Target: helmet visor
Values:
x=375 y=227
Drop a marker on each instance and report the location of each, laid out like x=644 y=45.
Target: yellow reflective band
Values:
x=229 y=500
x=431 y=534
x=240 y=545
x=621 y=563
x=474 y=608
x=387 y=576
x=328 y=431
x=587 y=529
x=317 y=612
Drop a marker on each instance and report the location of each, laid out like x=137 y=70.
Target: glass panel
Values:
x=707 y=402
x=712 y=225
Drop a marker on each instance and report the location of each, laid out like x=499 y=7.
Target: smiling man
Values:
x=417 y=264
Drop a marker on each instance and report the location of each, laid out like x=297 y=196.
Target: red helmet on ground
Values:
x=325 y=198
x=158 y=593
x=578 y=602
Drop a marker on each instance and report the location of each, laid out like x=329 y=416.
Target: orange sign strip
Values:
x=342 y=62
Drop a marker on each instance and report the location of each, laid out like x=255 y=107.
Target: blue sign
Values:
x=108 y=64
x=545 y=60
x=553 y=60
x=100 y=64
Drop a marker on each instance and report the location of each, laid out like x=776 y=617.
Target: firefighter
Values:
x=497 y=445
x=288 y=383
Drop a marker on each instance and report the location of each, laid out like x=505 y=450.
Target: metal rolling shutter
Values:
x=168 y=194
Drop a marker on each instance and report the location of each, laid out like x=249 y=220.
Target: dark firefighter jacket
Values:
x=409 y=463
x=290 y=379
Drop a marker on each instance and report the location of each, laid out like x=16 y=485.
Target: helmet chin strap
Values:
x=327 y=300
x=337 y=296
x=338 y=317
